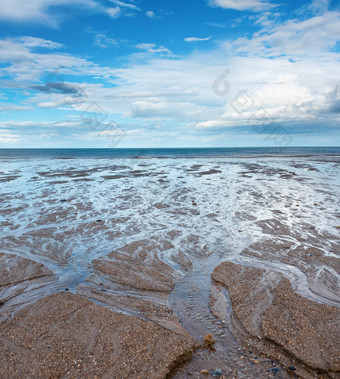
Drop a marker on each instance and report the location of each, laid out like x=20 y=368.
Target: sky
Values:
x=171 y=73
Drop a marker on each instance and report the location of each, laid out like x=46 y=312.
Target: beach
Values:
x=120 y=267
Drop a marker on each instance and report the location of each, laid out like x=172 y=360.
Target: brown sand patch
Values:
x=151 y=310
x=14 y=269
x=66 y=335
x=283 y=323
x=312 y=261
x=137 y=265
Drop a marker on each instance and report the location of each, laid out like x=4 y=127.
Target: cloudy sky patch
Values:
x=169 y=74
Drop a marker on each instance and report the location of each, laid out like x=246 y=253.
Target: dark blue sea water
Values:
x=166 y=152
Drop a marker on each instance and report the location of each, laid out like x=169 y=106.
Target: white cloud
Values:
x=319 y=6
x=196 y=39
x=160 y=108
x=7 y=136
x=32 y=42
x=150 y=14
x=153 y=48
x=44 y=124
x=28 y=66
x=37 y=10
x=313 y=36
x=101 y=40
x=242 y=5
x=125 y=5
x=181 y=90
x=13 y=107
x=113 y=12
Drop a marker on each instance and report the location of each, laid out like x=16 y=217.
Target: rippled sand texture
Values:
x=143 y=236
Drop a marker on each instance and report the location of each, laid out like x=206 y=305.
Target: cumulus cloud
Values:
x=242 y=5
x=113 y=12
x=150 y=14
x=334 y=100
x=196 y=39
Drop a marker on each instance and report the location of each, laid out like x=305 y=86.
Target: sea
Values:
x=218 y=152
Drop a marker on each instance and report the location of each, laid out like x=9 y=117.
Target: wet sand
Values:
x=120 y=268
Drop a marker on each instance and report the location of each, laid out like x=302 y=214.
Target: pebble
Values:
x=291 y=368
x=216 y=373
x=204 y=372
x=256 y=362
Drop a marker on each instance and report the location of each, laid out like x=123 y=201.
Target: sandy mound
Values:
x=66 y=335
x=137 y=265
x=17 y=277
x=14 y=269
x=269 y=310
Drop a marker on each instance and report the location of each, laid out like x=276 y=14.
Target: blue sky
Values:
x=175 y=73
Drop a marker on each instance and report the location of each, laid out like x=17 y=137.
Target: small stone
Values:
x=66 y=289
x=291 y=368
x=216 y=373
x=242 y=357
x=256 y=362
x=209 y=341
x=99 y=220
x=204 y=372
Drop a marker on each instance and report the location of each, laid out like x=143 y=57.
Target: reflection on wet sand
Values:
x=143 y=237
